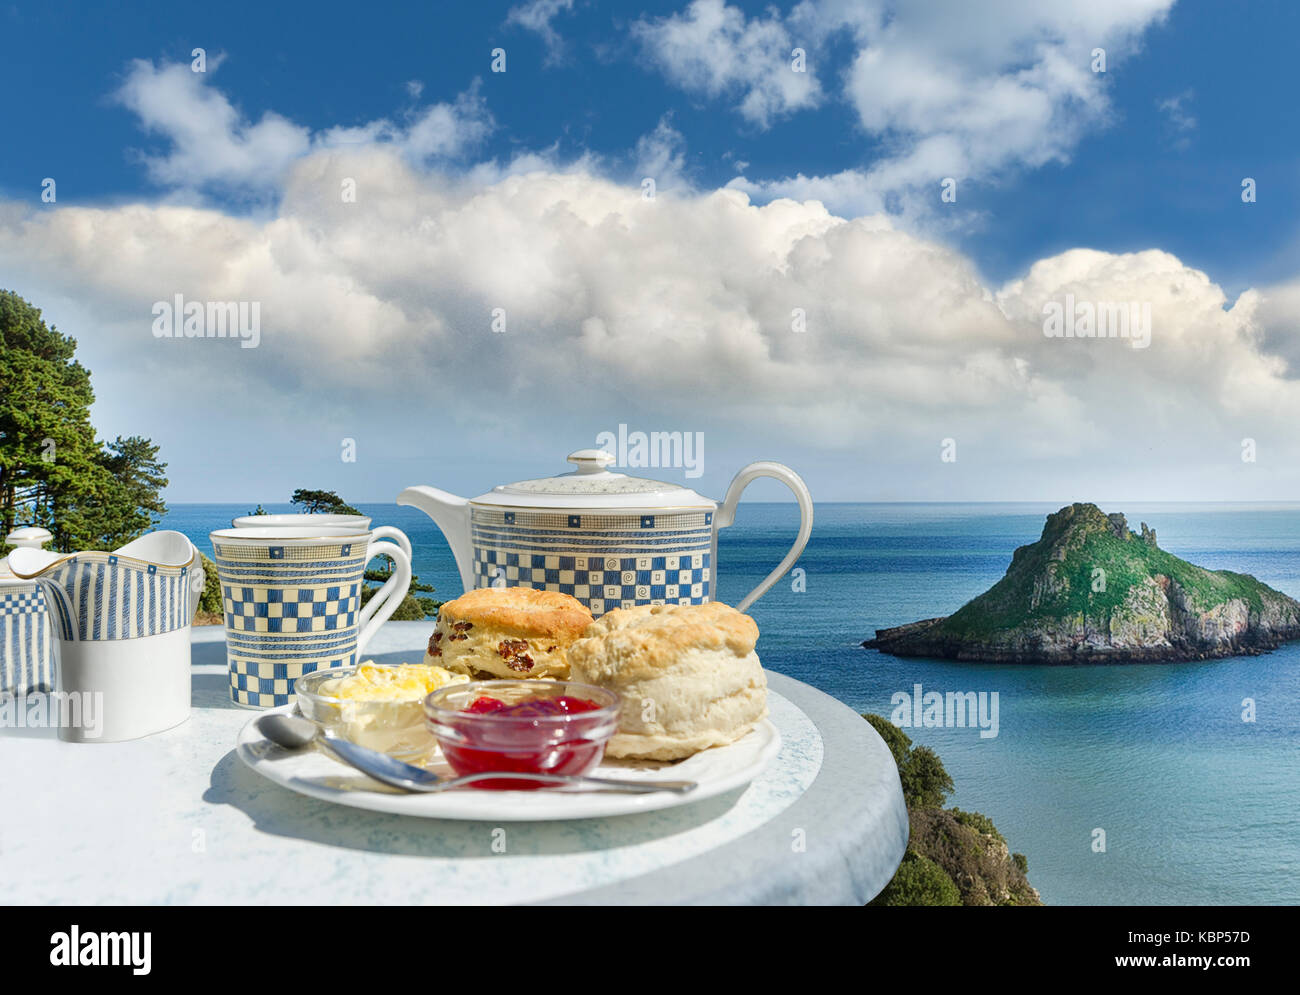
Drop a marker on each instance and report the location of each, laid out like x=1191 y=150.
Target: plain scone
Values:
x=511 y=632
x=689 y=676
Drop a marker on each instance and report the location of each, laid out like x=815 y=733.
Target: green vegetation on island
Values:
x=1092 y=590
x=953 y=857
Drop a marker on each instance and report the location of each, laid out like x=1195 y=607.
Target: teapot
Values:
x=608 y=539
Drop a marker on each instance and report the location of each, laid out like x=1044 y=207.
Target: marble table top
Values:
x=177 y=818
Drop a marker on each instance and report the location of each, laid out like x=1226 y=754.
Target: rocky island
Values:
x=1090 y=590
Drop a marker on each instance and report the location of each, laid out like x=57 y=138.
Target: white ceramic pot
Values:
x=123 y=624
x=608 y=539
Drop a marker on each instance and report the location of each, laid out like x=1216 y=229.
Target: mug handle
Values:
x=727 y=515
x=380 y=608
x=396 y=535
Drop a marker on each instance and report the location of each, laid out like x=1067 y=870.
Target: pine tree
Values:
x=53 y=470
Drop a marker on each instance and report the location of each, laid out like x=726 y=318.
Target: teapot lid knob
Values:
x=591 y=460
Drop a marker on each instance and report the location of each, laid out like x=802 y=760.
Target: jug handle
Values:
x=384 y=602
x=726 y=515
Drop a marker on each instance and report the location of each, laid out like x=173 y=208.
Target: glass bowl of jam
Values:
x=550 y=727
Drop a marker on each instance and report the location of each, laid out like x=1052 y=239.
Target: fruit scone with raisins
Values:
x=507 y=632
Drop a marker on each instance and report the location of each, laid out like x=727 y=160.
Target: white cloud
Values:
x=1179 y=117
x=536 y=16
x=675 y=312
x=713 y=50
x=661 y=155
x=211 y=144
x=947 y=88
x=210 y=141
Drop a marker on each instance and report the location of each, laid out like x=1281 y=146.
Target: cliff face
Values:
x=1092 y=591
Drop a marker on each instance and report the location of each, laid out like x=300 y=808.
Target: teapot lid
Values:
x=594 y=485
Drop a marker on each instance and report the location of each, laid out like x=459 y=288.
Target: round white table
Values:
x=177 y=818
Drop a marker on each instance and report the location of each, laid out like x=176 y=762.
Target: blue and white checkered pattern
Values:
x=605 y=560
x=601 y=582
x=290 y=610
x=26 y=642
x=22 y=602
x=265 y=685
x=302 y=609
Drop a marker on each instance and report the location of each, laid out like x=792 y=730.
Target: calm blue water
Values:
x=1197 y=805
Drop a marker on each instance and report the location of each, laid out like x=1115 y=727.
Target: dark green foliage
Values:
x=382 y=574
x=924 y=779
x=897 y=740
x=919 y=881
x=412 y=609
x=210 y=600
x=925 y=782
x=53 y=470
x=979 y=864
x=321 y=502
x=979 y=822
x=953 y=857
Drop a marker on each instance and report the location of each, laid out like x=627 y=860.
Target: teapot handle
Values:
x=727 y=515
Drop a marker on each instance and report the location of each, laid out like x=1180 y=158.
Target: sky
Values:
x=475 y=236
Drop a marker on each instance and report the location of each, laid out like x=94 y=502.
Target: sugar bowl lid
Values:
x=594 y=485
x=28 y=537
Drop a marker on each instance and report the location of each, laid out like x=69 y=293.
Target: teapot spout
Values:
x=452 y=516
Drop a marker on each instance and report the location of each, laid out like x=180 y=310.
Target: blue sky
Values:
x=1142 y=181
x=1049 y=158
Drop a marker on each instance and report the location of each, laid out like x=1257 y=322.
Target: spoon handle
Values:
x=397 y=774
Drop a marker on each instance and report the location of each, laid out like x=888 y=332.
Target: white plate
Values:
x=313 y=773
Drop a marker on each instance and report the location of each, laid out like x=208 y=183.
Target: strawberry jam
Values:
x=554 y=734
x=537 y=708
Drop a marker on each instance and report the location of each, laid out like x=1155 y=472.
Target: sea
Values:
x=1122 y=784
